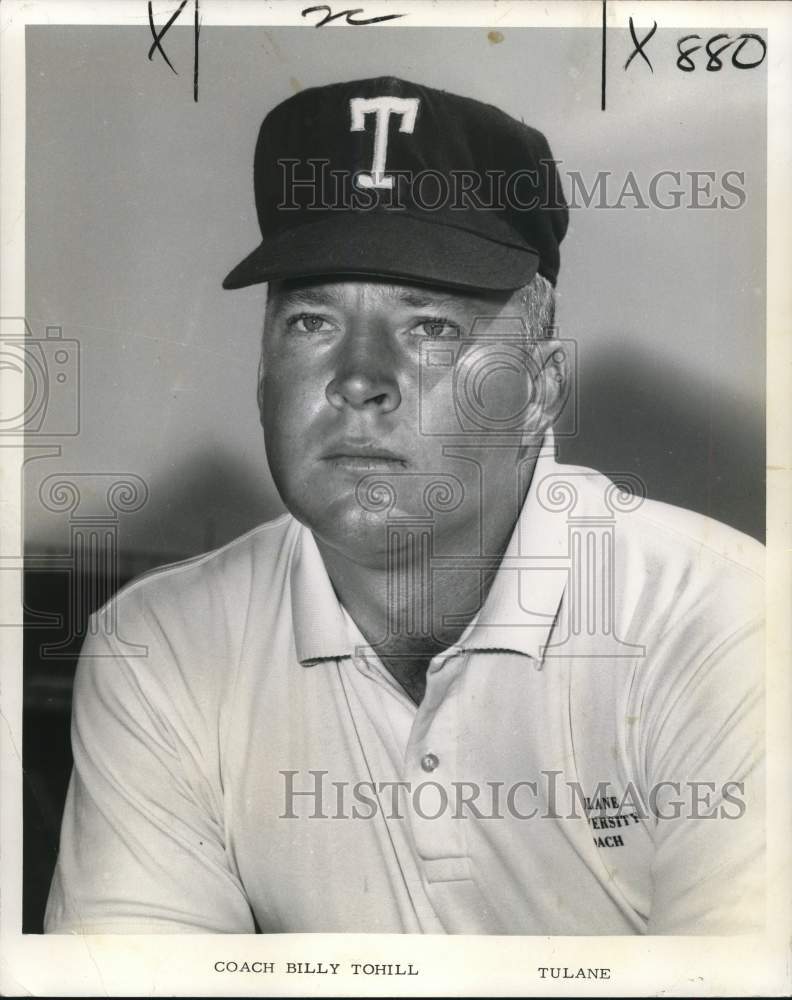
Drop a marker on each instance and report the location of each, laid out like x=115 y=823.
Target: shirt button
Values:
x=429 y=761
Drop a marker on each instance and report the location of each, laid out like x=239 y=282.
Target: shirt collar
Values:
x=320 y=630
x=517 y=616
x=524 y=599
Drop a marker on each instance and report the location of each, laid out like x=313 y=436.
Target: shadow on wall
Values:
x=693 y=443
x=210 y=499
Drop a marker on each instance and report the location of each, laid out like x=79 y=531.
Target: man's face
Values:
x=368 y=385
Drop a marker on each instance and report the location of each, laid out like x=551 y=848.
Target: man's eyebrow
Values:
x=329 y=295
x=417 y=300
x=310 y=296
x=451 y=299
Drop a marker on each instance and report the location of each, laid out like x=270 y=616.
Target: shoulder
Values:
x=686 y=596
x=690 y=537
x=165 y=651
x=215 y=580
x=669 y=563
x=186 y=624
x=705 y=567
x=661 y=530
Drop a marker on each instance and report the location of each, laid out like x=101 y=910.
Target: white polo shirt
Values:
x=586 y=760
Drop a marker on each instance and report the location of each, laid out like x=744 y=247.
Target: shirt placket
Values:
x=431 y=768
x=382 y=717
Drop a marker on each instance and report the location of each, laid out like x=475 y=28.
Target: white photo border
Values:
x=182 y=965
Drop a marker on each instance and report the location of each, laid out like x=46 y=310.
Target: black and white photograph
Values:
x=396 y=475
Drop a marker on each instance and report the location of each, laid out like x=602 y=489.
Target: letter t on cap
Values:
x=382 y=107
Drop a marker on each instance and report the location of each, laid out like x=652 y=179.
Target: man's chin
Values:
x=357 y=535
x=366 y=522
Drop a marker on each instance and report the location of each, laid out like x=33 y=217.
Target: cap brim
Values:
x=390 y=245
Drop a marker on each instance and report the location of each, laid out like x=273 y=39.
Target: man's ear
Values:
x=549 y=369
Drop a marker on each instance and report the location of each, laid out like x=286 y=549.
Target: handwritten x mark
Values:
x=639 y=45
x=156 y=44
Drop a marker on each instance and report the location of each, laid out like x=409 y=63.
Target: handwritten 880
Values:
x=754 y=45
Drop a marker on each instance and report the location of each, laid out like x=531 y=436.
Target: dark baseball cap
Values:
x=390 y=178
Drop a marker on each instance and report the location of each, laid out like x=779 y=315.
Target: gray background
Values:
x=139 y=201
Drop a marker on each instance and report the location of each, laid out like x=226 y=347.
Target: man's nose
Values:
x=365 y=376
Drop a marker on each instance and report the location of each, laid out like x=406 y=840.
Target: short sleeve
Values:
x=705 y=756
x=142 y=840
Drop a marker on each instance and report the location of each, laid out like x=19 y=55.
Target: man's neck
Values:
x=406 y=610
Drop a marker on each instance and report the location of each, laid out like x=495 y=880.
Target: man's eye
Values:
x=437 y=327
x=309 y=323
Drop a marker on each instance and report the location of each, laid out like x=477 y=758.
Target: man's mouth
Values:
x=364 y=457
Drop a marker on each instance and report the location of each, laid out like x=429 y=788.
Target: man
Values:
x=458 y=687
